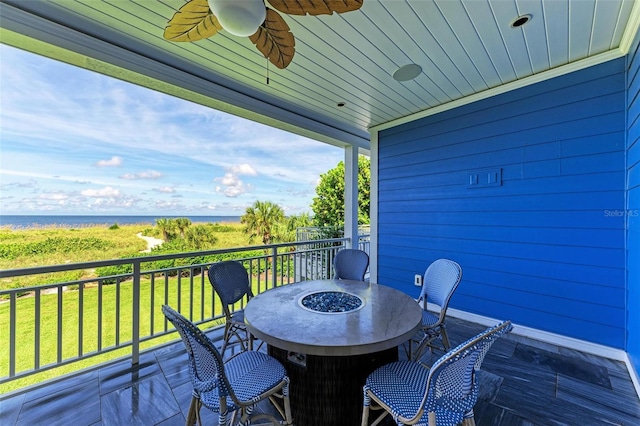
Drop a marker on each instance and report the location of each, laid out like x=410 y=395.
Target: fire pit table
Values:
x=330 y=335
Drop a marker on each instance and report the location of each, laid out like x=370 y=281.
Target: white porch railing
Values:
x=57 y=324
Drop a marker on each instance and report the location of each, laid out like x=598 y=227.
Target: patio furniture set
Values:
x=332 y=351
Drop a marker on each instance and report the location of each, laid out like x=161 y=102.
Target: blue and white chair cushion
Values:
x=440 y=281
x=235 y=385
x=409 y=391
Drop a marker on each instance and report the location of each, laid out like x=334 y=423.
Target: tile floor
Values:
x=523 y=382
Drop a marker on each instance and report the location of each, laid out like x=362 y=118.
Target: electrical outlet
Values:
x=418 y=280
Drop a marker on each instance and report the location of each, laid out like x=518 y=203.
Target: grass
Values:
x=114 y=323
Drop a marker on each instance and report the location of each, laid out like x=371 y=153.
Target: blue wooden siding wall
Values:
x=546 y=248
x=633 y=206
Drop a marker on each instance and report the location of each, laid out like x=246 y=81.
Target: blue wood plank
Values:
x=533 y=299
x=561 y=324
x=586 y=133
x=551 y=219
x=448 y=184
x=567 y=236
x=413 y=259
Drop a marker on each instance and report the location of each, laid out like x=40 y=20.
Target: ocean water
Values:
x=26 y=221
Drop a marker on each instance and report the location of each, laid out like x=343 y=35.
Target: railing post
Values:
x=12 y=334
x=135 y=321
x=274 y=266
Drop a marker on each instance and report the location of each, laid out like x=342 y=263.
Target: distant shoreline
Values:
x=17 y=222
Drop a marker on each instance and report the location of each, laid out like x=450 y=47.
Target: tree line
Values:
x=266 y=221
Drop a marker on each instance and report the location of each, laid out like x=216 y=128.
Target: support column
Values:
x=351 y=195
x=373 y=209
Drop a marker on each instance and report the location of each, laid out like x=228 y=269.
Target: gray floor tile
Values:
x=122 y=374
x=10 y=409
x=57 y=386
x=177 y=420
x=611 y=407
x=572 y=367
x=145 y=402
x=64 y=407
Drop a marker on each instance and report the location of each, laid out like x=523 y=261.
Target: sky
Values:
x=75 y=142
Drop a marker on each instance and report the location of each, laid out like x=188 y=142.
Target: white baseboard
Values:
x=634 y=374
x=545 y=336
x=557 y=339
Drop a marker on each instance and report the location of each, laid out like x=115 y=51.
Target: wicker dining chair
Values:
x=443 y=395
x=440 y=282
x=233 y=386
x=350 y=264
x=230 y=281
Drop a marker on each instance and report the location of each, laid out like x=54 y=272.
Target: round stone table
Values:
x=328 y=356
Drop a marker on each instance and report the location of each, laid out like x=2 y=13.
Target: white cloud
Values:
x=149 y=174
x=105 y=192
x=113 y=162
x=231 y=186
x=243 y=169
x=165 y=190
x=168 y=205
x=54 y=196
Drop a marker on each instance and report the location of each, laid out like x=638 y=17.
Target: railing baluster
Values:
x=135 y=321
x=12 y=334
x=274 y=266
x=100 y=315
x=117 y=319
x=59 y=333
x=202 y=284
x=166 y=298
x=36 y=334
x=179 y=290
x=80 y=315
x=152 y=310
x=190 y=291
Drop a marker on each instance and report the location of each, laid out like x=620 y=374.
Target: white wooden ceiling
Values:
x=465 y=48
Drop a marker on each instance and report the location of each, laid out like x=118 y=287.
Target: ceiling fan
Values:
x=200 y=19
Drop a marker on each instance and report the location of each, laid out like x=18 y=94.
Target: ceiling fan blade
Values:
x=275 y=40
x=315 y=7
x=192 y=22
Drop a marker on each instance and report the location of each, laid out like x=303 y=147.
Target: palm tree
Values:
x=260 y=220
x=182 y=223
x=286 y=230
x=165 y=226
x=199 y=237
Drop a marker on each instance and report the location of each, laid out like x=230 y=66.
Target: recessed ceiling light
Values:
x=341 y=104
x=407 y=72
x=520 y=21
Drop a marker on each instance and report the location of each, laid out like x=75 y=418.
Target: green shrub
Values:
x=114 y=226
x=52 y=245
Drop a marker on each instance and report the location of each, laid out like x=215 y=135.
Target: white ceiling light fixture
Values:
x=407 y=72
x=239 y=17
